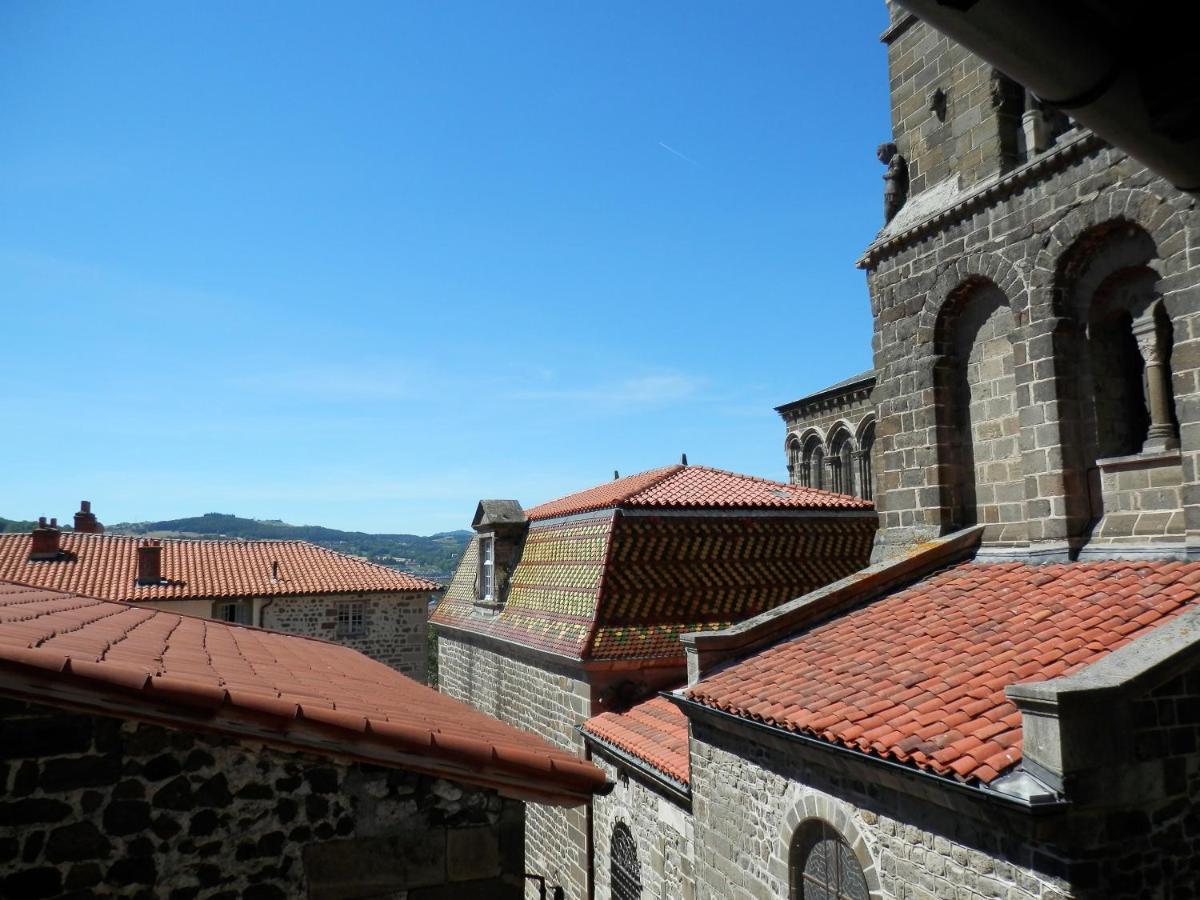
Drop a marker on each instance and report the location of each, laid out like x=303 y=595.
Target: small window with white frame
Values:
x=487 y=569
x=351 y=618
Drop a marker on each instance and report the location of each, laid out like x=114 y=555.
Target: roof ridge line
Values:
x=668 y=472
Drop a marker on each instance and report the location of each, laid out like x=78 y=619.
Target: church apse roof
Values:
x=919 y=676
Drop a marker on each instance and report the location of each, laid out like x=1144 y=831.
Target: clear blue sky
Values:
x=361 y=264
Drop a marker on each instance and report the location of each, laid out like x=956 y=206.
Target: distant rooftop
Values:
x=862 y=378
x=106 y=566
x=695 y=487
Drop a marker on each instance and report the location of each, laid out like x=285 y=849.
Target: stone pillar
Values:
x=1161 y=436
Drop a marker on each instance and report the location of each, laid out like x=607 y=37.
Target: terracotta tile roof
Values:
x=105 y=565
x=919 y=675
x=695 y=487
x=306 y=693
x=655 y=731
x=626 y=587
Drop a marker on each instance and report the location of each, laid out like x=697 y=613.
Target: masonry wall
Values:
x=91 y=805
x=1033 y=237
x=394 y=626
x=966 y=141
x=748 y=800
x=1143 y=821
x=661 y=828
x=853 y=409
x=549 y=702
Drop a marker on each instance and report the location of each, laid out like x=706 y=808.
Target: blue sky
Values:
x=362 y=264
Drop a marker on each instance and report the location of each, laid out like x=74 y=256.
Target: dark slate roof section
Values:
x=862 y=379
x=498 y=512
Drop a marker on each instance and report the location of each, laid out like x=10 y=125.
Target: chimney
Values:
x=85 y=519
x=45 y=543
x=149 y=570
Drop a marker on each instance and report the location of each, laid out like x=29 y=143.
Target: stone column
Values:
x=1161 y=436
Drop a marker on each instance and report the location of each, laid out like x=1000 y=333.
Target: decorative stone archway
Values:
x=812 y=805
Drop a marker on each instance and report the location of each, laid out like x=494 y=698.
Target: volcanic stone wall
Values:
x=750 y=799
x=99 y=806
x=393 y=632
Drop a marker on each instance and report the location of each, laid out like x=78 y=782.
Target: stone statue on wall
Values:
x=895 y=180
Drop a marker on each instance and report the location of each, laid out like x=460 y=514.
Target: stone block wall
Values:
x=394 y=625
x=548 y=701
x=99 y=806
x=1043 y=236
x=966 y=140
x=1142 y=500
x=1143 y=827
x=661 y=828
x=749 y=799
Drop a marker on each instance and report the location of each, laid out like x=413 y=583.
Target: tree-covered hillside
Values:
x=433 y=557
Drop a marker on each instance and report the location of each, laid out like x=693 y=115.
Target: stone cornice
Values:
x=1069 y=150
x=897 y=28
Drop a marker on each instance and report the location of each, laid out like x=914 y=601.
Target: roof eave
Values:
x=695 y=709
x=292 y=733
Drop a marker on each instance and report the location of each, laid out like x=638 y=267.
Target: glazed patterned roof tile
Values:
x=655 y=731
x=105 y=566
x=98 y=647
x=695 y=487
x=625 y=588
x=552 y=601
x=919 y=675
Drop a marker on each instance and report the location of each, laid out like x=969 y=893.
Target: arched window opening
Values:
x=812 y=462
x=841 y=466
x=978 y=427
x=816 y=467
x=1129 y=349
x=866 y=477
x=625 y=874
x=795 y=462
x=823 y=867
x=1122 y=418
x=1116 y=361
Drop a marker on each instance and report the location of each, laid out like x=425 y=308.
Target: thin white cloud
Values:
x=675 y=152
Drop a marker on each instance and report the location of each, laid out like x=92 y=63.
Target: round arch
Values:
x=815 y=806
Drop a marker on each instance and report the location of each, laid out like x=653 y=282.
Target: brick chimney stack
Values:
x=45 y=542
x=149 y=570
x=85 y=519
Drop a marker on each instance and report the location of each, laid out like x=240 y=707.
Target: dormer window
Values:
x=487 y=568
x=501 y=526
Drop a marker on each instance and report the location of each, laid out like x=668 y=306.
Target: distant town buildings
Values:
x=290 y=586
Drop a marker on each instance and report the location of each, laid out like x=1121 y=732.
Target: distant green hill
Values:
x=433 y=557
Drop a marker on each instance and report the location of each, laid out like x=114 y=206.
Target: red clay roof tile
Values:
x=105 y=566
x=695 y=487
x=991 y=625
x=154 y=658
x=655 y=731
